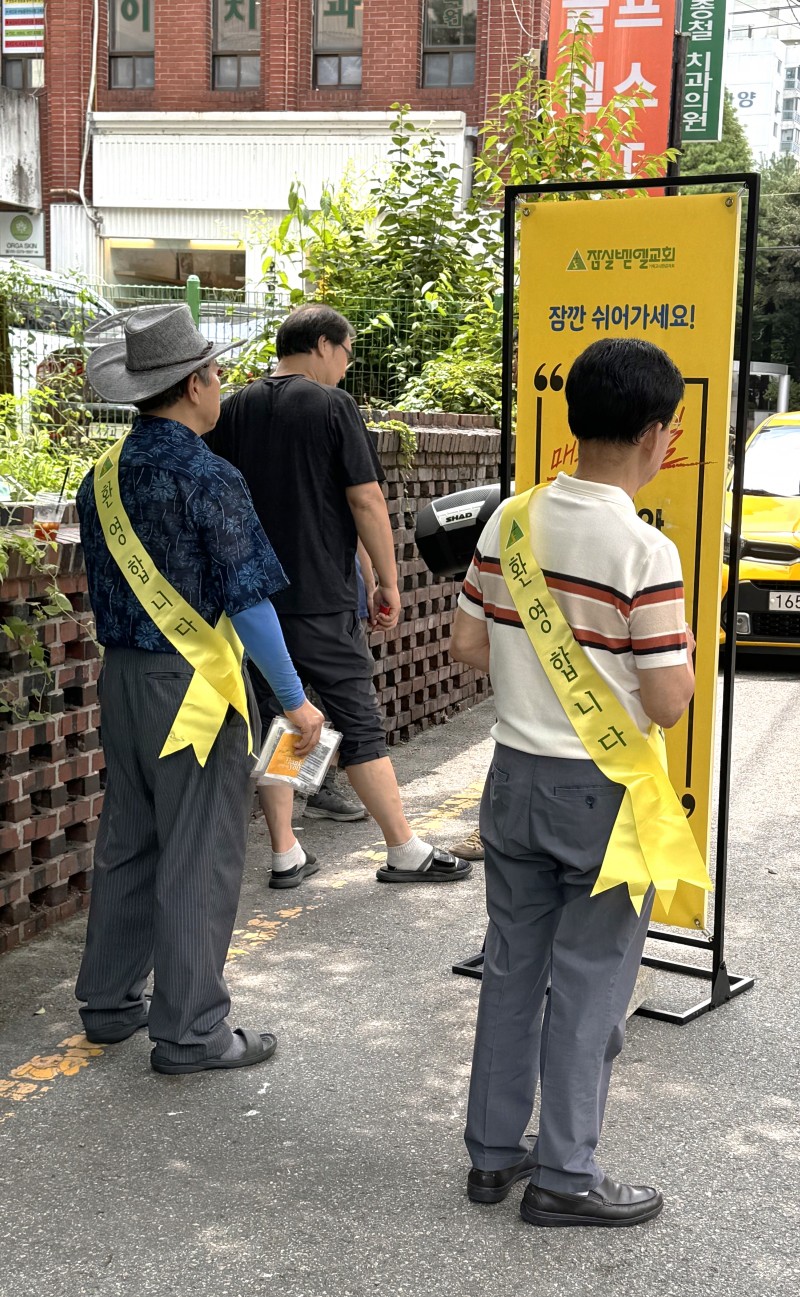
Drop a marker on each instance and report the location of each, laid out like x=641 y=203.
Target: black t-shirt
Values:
x=299 y=445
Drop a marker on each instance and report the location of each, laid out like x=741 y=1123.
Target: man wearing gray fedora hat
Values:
x=180 y=578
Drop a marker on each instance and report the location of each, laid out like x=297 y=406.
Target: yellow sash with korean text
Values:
x=651 y=842
x=215 y=652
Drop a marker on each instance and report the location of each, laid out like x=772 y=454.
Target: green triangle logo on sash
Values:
x=107 y=467
x=577 y=262
x=516 y=534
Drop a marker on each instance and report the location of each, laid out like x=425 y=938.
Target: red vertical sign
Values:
x=632 y=51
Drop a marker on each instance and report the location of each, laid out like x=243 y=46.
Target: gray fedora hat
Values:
x=161 y=346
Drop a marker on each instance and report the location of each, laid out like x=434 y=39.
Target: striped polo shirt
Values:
x=618 y=582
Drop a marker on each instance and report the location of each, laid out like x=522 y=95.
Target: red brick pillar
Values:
x=62 y=105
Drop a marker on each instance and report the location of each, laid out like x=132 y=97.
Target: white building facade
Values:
x=762 y=58
x=172 y=191
x=755 y=73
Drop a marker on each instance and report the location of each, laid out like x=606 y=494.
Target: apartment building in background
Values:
x=164 y=122
x=763 y=77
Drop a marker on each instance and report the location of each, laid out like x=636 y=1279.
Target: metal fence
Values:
x=391 y=337
x=44 y=318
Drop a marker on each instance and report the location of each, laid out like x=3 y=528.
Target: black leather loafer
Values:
x=493 y=1186
x=610 y=1204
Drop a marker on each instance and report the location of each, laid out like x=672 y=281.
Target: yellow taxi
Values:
x=768 y=619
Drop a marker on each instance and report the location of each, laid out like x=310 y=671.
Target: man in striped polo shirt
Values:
x=548 y=811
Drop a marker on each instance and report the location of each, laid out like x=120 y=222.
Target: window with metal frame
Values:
x=23 y=73
x=131 y=45
x=236 y=61
x=448 y=42
x=338 y=38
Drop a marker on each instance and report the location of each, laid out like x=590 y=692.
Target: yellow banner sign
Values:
x=664 y=269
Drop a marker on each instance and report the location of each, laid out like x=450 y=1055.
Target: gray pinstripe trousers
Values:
x=168 y=863
x=545 y=823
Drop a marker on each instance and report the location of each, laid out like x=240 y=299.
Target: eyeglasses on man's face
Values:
x=348 y=351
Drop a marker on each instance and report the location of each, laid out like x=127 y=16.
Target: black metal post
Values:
x=719 y=973
x=506 y=430
x=675 y=137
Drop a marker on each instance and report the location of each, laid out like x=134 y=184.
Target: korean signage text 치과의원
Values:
x=705 y=23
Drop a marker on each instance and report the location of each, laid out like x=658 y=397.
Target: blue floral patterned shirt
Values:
x=193 y=514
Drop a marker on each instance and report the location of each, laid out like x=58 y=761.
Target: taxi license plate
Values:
x=784 y=601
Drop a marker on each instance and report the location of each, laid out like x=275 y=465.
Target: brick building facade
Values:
x=314 y=85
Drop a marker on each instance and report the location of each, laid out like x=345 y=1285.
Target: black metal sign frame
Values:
x=723 y=985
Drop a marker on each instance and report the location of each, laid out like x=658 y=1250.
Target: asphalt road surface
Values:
x=338 y=1167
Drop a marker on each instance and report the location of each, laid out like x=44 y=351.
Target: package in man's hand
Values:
x=278 y=764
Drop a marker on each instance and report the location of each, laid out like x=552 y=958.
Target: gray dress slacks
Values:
x=168 y=863
x=545 y=824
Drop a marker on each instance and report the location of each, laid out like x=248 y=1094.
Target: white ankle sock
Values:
x=283 y=860
x=409 y=855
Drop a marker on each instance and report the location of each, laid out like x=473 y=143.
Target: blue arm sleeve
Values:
x=259 y=630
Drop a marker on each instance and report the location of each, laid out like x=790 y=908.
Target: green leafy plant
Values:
x=31 y=462
x=416 y=269
x=731 y=153
x=777 y=285
x=37 y=557
x=457 y=382
x=541 y=130
x=51 y=387
x=44 y=446
x=398 y=254
x=407 y=436
x=408 y=446
x=777 y=293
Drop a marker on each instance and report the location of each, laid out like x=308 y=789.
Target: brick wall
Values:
x=51 y=771
x=68 y=45
x=417 y=684
x=182 y=36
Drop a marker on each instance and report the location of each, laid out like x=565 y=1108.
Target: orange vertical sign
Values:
x=632 y=51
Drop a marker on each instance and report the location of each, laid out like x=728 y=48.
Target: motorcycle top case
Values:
x=448 y=529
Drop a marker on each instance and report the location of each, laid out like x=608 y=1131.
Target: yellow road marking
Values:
x=24 y=1082
x=259 y=931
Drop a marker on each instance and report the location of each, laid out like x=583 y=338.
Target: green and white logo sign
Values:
x=21 y=228
x=21 y=234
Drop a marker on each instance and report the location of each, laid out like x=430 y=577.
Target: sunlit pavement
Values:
x=338 y=1167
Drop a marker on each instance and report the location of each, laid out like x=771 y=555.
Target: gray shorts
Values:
x=331 y=654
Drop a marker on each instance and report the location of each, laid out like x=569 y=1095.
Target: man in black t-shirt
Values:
x=304 y=451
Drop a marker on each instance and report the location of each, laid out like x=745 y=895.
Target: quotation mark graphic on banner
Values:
x=541 y=381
